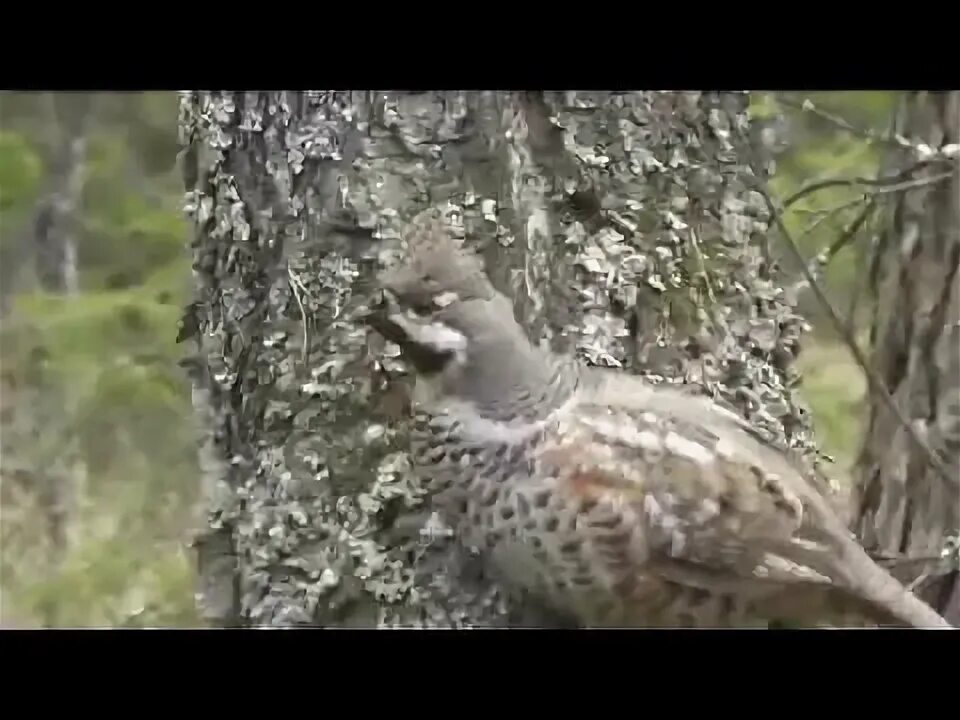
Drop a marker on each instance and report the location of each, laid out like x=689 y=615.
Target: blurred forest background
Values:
x=91 y=390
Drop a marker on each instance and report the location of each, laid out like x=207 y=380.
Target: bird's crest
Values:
x=436 y=263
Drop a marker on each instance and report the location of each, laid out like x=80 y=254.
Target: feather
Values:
x=614 y=500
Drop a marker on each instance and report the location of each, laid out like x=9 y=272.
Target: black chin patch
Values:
x=426 y=360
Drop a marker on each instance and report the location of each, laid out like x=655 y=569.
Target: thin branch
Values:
x=849 y=232
x=297 y=285
x=873 y=378
x=703 y=268
x=822 y=259
x=909 y=184
x=920 y=149
x=855 y=227
x=829 y=213
x=873 y=185
x=847 y=235
x=808 y=106
x=912 y=587
x=881 y=557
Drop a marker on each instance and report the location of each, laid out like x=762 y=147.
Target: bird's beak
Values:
x=381 y=317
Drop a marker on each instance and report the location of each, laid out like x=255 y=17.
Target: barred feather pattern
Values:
x=624 y=516
x=614 y=501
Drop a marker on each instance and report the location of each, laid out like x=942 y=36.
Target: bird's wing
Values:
x=716 y=508
x=698 y=500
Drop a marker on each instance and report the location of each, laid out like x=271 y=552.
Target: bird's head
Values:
x=438 y=304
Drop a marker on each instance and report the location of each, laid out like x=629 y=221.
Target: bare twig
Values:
x=823 y=259
x=905 y=559
x=830 y=212
x=849 y=232
x=920 y=149
x=919 y=581
x=874 y=186
x=873 y=378
x=297 y=285
x=808 y=106
x=703 y=268
x=909 y=184
x=846 y=236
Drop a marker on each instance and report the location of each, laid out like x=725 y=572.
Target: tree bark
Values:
x=295 y=195
x=622 y=225
x=906 y=509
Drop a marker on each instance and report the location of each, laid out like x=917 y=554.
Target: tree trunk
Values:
x=55 y=245
x=600 y=213
x=295 y=195
x=39 y=448
x=906 y=508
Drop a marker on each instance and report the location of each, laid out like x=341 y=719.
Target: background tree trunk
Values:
x=906 y=508
x=55 y=243
x=39 y=446
x=621 y=223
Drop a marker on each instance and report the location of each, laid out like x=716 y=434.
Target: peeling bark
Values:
x=599 y=213
x=905 y=507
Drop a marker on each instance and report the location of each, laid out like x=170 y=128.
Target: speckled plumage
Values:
x=613 y=501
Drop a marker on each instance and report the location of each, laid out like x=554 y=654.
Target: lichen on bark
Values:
x=660 y=247
x=597 y=212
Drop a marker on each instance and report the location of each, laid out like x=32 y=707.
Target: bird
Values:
x=610 y=499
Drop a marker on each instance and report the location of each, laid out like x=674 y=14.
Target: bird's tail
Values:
x=863 y=577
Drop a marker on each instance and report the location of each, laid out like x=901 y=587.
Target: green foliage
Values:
x=835 y=388
x=156 y=115
x=763 y=106
x=123 y=568
x=112 y=354
x=20 y=171
x=821 y=150
x=126 y=235
x=109 y=356
x=818 y=150
x=112 y=357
